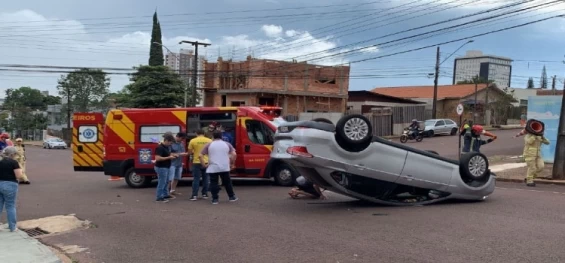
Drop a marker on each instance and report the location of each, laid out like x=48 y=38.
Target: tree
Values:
x=475 y=79
x=153 y=87
x=502 y=106
x=156 y=57
x=530 y=83
x=543 y=80
x=26 y=97
x=85 y=89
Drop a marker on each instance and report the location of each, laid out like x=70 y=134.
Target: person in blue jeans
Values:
x=10 y=173
x=163 y=157
x=175 y=174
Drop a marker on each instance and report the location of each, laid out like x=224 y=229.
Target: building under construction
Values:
x=296 y=87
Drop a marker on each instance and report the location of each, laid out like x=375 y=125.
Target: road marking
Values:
x=506 y=166
x=531 y=190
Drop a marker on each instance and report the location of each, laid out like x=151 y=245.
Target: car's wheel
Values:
x=453 y=131
x=324 y=120
x=49 y=146
x=137 y=181
x=431 y=134
x=354 y=130
x=434 y=152
x=419 y=137
x=474 y=166
x=403 y=138
x=284 y=175
x=44 y=146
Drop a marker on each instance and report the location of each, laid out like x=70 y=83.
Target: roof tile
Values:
x=427 y=92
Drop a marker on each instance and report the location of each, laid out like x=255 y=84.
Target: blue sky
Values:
x=116 y=34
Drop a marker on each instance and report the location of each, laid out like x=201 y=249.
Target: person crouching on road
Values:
x=307 y=189
x=532 y=155
x=163 y=158
x=199 y=174
x=175 y=174
x=21 y=159
x=474 y=142
x=10 y=173
x=221 y=156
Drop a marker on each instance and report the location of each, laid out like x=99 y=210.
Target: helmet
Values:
x=4 y=136
x=477 y=129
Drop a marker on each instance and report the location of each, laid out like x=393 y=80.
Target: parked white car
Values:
x=440 y=126
x=54 y=143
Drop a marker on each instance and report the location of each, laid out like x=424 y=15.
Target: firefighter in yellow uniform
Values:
x=21 y=159
x=532 y=155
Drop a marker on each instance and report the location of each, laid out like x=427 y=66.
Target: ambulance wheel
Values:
x=137 y=181
x=284 y=175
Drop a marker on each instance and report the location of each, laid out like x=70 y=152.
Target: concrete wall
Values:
x=356 y=105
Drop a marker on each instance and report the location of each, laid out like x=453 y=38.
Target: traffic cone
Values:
x=115 y=178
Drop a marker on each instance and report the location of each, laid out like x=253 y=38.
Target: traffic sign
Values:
x=460 y=109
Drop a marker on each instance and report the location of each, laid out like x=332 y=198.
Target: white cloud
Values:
x=371 y=49
x=272 y=30
x=542 y=115
x=291 y=33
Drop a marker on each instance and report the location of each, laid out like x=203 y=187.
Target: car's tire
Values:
x=403 y=138
x=284 y=175
x=431 y=134
x=453 y=131
x=419 y=137
x=137 y=181
x=474 y=166
x=49 y=147
x=354 y=132
x=434 y=152
x=324 y=120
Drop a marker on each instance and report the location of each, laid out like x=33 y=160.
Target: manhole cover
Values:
x=34 y=232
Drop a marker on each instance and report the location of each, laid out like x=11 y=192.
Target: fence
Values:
x=28 y=135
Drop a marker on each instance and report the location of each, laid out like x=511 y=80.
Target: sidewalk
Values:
x=487 y=128
x=19 y=247
x=516 y=172
x=34 y=143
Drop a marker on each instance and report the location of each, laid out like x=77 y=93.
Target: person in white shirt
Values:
x=221 y=156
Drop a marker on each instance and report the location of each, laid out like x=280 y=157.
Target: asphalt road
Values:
x=515 y=224
x=447 y=145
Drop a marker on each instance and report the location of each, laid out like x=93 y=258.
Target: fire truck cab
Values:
x=123 y=143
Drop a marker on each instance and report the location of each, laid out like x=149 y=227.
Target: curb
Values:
x=537 y=181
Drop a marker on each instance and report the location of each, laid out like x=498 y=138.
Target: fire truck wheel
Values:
x=137 y=181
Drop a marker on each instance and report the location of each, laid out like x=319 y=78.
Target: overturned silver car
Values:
x=345 y=158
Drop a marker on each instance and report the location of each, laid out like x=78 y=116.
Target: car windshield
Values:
x=55 y=140
x=430 y=123
x=278 y=121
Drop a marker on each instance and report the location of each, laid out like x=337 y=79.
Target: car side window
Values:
x=449 y=122
x=259 y=133
x=440 y=123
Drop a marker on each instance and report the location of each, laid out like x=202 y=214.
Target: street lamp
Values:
x=436 y=77
x=178 y=59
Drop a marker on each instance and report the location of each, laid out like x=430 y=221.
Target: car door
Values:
x=440 y=127
x=254 y=145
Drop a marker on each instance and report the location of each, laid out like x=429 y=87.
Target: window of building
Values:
x=259 y=133
x=154 y=134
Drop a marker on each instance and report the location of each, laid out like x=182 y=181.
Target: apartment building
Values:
x=489 y=67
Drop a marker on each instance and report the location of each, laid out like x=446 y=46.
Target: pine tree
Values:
x=530 y=83
x=543 y=81
x=156 y=57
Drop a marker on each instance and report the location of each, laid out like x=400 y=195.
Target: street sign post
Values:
x=459 y=110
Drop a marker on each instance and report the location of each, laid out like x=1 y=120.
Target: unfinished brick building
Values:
x=296 y=87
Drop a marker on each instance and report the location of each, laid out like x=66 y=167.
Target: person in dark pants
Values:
x=163 y=157
x=306 y=188
x=221 y=156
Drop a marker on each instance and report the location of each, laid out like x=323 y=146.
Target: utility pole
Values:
x=476 y=80
x=553 y=84
x=436 y=76
x=195 y=70
x=558 y=172
x=69 y=110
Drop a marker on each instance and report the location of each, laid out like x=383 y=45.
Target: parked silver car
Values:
x=440 y=126
x=347 y=159
x=54 y=143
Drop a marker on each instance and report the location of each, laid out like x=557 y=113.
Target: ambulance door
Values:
x=255 y=142
x=87 y=142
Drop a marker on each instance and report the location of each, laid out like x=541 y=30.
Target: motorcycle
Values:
x=408 y=135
